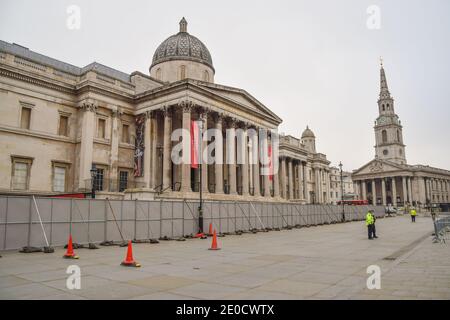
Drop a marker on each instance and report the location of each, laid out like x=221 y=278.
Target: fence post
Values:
x=135 y=219
x=106 y=220
x=6 y=223
x=51 y=221
x=88 y=222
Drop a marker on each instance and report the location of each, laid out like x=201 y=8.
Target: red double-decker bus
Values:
x=354 y=202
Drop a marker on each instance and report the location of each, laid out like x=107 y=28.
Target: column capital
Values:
x=88 y=106
x=166 y=111
x=116 y=113
x=186 y=105
x=218 y=116
x=231 y=122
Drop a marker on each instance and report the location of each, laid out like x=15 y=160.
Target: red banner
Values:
x=194 y=144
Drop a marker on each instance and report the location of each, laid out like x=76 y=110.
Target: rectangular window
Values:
x=63 y=126
x=98 y=180
x=123 y=180
x=126 y=133
x=101 y=128
x=25 y=118
x=20 y=175
x=59 y=179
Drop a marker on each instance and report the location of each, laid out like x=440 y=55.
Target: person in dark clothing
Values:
x=374 y=230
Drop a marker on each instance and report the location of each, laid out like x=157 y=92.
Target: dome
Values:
x=308 y=133
x=182 y=46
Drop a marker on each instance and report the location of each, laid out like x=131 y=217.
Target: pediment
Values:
x=240 y=97
x=377 y=166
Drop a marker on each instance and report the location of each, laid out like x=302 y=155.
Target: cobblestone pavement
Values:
x=323 y=262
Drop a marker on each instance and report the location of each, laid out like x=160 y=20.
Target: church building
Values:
x=389 y=179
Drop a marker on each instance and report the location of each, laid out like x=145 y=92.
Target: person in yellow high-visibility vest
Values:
x=370 y=223
x=413 y=213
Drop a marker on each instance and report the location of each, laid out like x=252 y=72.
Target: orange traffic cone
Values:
x=70 y=254
x=214 y=242
x=129 y=261
x=210 y=229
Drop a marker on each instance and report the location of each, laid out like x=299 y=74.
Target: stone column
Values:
x=218 y=166
x=255 y=165
x=405 y=192
x=410 y=190
x=276 y=181
x=305 y=183
x=374 y=193
x=88 y=126
x=167 y=161
x=186 y=166
x=383 y=191
x=244 y=151
x=364 y=192
x=147 y=149
x=291 y=179
x=231 y=158
x=204 y=121
x=114 y=152
x=394 y=192
x=328 y=187
x=299 y=174
x=300 y=180
x=154 y=157
x=266 y=177
x=283 y=178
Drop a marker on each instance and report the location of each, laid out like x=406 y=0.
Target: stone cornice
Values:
x=6 y=71
x=34 y=134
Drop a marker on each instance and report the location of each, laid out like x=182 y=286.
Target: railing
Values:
x=441 y=226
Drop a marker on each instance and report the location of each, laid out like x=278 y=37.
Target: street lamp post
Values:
x=342 y=193
x=93 y=175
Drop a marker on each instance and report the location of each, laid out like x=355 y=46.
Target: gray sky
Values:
x=313 y=63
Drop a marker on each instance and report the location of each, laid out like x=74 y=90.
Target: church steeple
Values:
x=384 y=90
x=388 y=129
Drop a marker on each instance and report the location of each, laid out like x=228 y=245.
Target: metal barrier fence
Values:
x=442 y=227
x=97 y=220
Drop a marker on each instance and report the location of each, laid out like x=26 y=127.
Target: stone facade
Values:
x=388 y=179
x=336 y=189
x=60 y=121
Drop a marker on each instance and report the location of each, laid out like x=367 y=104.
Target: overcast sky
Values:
x=313 y=63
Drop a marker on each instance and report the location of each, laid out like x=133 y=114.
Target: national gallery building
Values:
x=66 y=129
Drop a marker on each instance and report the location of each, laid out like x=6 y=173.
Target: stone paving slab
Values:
x=324 y=262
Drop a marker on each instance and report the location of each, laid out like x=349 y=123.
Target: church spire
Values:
x=183 y=25
x=384 y=90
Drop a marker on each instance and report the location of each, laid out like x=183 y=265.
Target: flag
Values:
x=194 y=144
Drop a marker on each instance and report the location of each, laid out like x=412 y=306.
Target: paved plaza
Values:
x=323 y=262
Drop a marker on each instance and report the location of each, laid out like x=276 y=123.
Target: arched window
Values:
x=206 y=76
x=182 y=72
x=387 y=106
x=398 y=135
x=158 y=74
x=384 y=136
x=383 y=107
